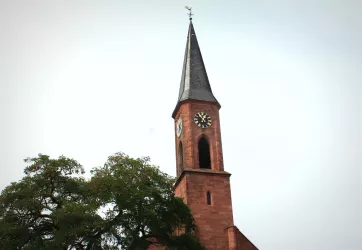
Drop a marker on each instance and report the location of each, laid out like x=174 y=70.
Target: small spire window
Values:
x=208 y=198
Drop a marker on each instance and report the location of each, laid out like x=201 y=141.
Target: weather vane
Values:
x=190 y=13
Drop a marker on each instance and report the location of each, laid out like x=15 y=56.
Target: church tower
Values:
x=201 y=179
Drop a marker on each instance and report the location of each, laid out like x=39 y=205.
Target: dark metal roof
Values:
x=194 y=81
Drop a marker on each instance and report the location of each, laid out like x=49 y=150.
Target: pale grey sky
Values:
x=89 y=78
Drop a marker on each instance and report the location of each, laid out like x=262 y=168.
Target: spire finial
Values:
x=190 y=12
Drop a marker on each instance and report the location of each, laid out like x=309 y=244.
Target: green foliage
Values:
x=127 y=204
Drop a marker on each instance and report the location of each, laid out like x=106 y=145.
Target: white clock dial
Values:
x=179 y=127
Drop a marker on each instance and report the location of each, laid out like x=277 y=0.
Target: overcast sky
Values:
x=90 y=78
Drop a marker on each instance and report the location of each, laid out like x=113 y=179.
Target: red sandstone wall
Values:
x=212 y=220
x=154 y=247
x=238 y=241
x=180 y=190
x=191 y=133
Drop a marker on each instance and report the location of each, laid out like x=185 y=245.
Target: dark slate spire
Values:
x=194 y=81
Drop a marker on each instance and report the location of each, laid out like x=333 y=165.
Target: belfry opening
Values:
x=204 y=153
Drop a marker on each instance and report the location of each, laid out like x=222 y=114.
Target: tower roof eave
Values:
x=179 y=103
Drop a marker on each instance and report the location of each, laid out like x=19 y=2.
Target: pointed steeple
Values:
x=194 y=81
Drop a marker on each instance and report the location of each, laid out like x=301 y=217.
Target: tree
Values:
x=126 y=204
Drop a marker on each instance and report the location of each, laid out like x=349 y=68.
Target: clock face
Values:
x=179 y=127
x=202 y=120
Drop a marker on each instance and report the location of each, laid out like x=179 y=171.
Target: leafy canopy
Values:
x=126 y=204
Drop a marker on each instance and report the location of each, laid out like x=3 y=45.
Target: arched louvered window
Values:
x=204 y=153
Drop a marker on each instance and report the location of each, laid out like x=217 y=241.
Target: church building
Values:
x=201 y=178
